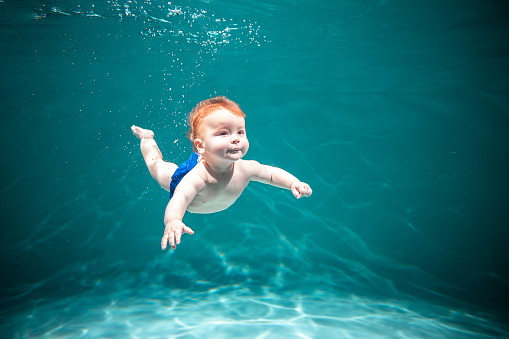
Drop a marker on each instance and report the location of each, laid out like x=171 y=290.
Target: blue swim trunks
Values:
x=180 y=172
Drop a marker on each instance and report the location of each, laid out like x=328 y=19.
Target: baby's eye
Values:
x=223 y=133
x=241 y=132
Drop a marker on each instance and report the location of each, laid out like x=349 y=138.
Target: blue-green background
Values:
x=395 y=112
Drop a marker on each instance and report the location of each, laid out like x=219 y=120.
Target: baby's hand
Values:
x=301 y=189
x=172 y=233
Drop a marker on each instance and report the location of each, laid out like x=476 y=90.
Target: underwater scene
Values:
x=396 y=113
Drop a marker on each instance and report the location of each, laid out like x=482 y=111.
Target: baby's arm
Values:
x=280 y=178
x=175 y=210
x=158 y=168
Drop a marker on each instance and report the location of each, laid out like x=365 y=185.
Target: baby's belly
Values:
x=207 y=209
x=202 y=205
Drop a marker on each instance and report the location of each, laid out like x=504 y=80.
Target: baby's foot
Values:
x=142 y=133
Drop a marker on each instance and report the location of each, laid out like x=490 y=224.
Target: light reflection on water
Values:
x=155 y=312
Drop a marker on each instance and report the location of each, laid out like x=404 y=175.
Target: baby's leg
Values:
x=158 y=168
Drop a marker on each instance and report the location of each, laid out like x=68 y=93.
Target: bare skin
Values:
x=159 y=169
x=221 y=176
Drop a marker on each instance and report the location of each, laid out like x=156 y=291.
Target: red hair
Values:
x=207 y=107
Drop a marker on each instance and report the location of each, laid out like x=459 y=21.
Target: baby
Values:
x=215 y=175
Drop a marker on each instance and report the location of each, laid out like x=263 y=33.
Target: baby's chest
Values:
x=226 y=189
x=231 y=188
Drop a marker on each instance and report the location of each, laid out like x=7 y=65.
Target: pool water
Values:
x=396 y=114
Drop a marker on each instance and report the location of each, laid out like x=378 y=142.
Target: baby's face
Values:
x=223 y=136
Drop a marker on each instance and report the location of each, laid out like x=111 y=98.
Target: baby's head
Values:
x=207 y=107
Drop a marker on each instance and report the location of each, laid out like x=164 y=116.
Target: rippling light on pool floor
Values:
x=236 y=315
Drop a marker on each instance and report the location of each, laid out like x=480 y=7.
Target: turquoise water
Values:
x=396 y=113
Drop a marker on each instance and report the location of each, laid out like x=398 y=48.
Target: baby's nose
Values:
x=235 y=138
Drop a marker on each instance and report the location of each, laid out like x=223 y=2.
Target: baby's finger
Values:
x=307 y=191
x=178 y=234
x=172 y=239
x=188 y=230
x=295 y=192
x=164 y=241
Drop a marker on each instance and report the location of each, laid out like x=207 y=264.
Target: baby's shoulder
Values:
x=248 y=168
x=247 y=162
x=197 y=176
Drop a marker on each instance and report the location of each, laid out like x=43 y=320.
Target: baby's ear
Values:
x=198 y=145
